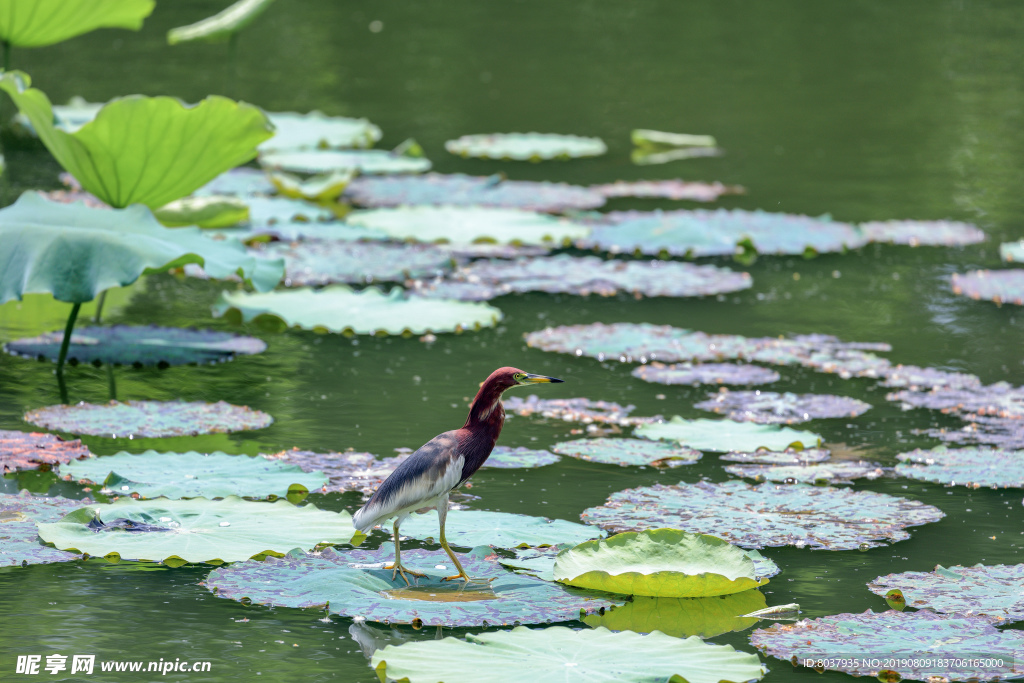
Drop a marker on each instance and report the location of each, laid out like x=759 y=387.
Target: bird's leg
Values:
x=397 y=567
x=442 y=514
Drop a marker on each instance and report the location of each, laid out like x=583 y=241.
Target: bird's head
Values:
x=508 y=377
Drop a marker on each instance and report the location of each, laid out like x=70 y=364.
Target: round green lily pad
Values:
x=526 y=146
x=321 y=262
x=973 y=467
x=348 y=471
x=190 y=475
x=918 y=378
x=148 y=418
x=562 y=655
x=770 y=407
x=370 y=311
x=1012 y=252
x=19 y=533
x=356 y=584
x=767 y=514
x=666 y=563
x=683 y=617
x=1001 y=286
x=468 y=224
x=915 y=645
x=628 y=452
x=726 y=435
x=923 y=233
x=242 y=182
x=503 y=457
x=471 y=528
x=37 y=451
x=988 y=591
x=575 y=410
x=139 y=345
x=831 y=472
x=668 y=189
x=790 y=456
x=196 y=529
x=316 y=130
x=705 y=373
x=364 y=161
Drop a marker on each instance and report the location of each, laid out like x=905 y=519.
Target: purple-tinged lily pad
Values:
x=628 y=452
x=241 y=182
x=464 y=190
x=321 y=262
x=504 y=457
x=1000 y=432
x=917 y=378
x=148 y=418
x=355 y=584
x=19 y=533
x=921 y=646
x=831 y=472
x=139 y=345
x=789 y=456
x=986 y=591
x=37 y=451
x=993 y=400
x=769 y=407
x=1000 y=286
x=767 y=514
x=505 y=251
x=526 y=146
x=348 y=471
x=972 y=467
x=668 y=189
x=576 y=410
x=923 y=233
x=705 y=373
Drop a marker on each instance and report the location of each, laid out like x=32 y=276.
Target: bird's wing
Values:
x=428 y=473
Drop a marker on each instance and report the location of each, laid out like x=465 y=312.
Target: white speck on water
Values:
x=225 y=524
x=440 y=566
x=125 y=488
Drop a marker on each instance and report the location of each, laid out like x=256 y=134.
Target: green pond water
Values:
x=865 y=110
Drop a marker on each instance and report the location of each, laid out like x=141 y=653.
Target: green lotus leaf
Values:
x=148 y=418
x=923 y=233
x=790 y=456
x=668 y=189
x=316 y=130
x=916 y=645
x=1012 y=252
x=118 y=159
x=650 y=156
x=664 y=563
x=504 y=457
x=895 y=599
x=471 y=528
x=137 y=345
x=726 y=435
x=196 y=530
x=348 y=471
x=364 y=161
x=705 y=373
x=221 y=26
x=370 y=311
x=466 y=224
x=321 y=262
x=1000 y=286
x=526 y=146
x=683 y=617
x=39 y=238
x=628 y=452
x=643 y=137
x=192 y=474
x=37 y=451
x=972 y=467
x=19 y=532
x=831 y=472
x=320 y=188
x=771 y=407
x=563 y=655
x=993 y=590
x=212 y=211
x=37 y=23
x=766 y=515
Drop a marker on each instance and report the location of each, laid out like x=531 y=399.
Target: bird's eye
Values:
x=519 y=375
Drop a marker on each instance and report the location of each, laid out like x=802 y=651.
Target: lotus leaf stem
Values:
x=7 y=54
x=111 y=382
x=64 y=351
x=99 y=307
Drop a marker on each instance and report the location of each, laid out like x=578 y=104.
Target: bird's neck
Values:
x=486 y=413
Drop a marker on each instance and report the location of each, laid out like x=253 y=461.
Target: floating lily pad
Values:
x=370 y=311
x=1000 y=432
x=705 y=373
x=973 y=467
x=833 y=473
x=1001 y=286
x=503 y=457
x=471 y=528
x=645 y=137
x=664 y=563
x=212 y=211
x=148 y=418
x=36 y=451
x=348 y=471
x=326 y=187
x=138 y=345
x=19 y=533
x=668 y=189
x=995 y=400
x=575 y=410
x=726 y=435
x=628 y=452
x=364 y=161
x=683 y=617
x=468 y=224
x=526 y=146
x=196 y=530
x=355 y=584
x=914 y=645
x=242 y=182
x=1012 y=251
x=266 y=211
x=316 y=130
x=790 y=456
x=918 y=378
x=464 y=190
x=539 y=562
x=769 y=407
x=767 y=514
x=320 y=262
x=987 y=591
x=649 y=156
x=192 y=474
x=923 y=233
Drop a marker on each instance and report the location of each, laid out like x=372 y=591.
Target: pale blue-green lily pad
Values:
x=988 y=591
x=316 y=130
x=471 y=528
x=364 y=161
x=770 y=407
x=37 y=451
x=705 y=373
x=268 y=211
x=843 y=472
x=504 y=457
x=467 y=224
x=221 y=26
x=668 y=189
x=526 y=146
x=790 y=456
x=1000 y=286
x=726 y=435
x=19 y=533
x=148 y=418
x=242 y=182
x=923 y=233
x=767 y=514
x=628 y=452
x=683 y=617
x=322 y=262
x=348 y=471
x=370 y=311
x=576 y=410
x=1012 y=252
x=972 y=467
x=191 y=475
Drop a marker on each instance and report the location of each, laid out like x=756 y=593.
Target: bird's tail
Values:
x=364 y=520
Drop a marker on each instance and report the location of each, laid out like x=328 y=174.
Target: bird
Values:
x=442 y=465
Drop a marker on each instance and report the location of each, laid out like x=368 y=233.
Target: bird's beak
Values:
x=540 y=379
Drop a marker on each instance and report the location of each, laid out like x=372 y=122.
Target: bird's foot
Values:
x=469 y=579
x=403 y=570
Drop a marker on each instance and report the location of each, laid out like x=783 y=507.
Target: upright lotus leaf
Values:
x=726 y=435
x=348 y=471
x=766 y=515
x=364 y=161
x=196 y=530
x=1012 y=252
x=19 y=532
x=471 y=528
x=321 y=262
x=923 y=233
x=989 y=591
x=705 y=373
x=37 y=23
x=326 y=187
x=466 y=224
x=668 y=189
x=973 y=467
x=831 y=472
x=192 y=474
x=663 y=563
x=562 y=655
x=504 y=457
x=370 y=311
x=464 y=190
x=37 y=451
x=770 y=407
x=316 y=130
x=921 y=646
x=683 y=617
x=221 y=26
x=576 y=410
x=628 y=452
x=790 y=456
x=649 y=156
x=919 y=379
x=148 y=418
x=119 y=158
x=993 y=400
x=356 y=584
x=1001 y=286
x=526 y=146
x=644 y=137
x=139 y=345
x=211 y=211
